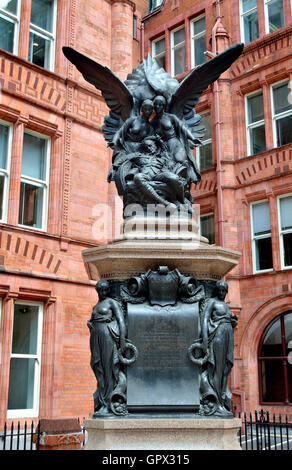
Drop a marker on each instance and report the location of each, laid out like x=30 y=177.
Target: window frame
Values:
x=200 y=225
x=12 y=18
x=172 y=48
x=275 y=117
x=7 y=171
x=153 y=42
x=40 y=183
x=196 y=36
x=266 y=13
x=47 y=35
x=281 y=359
x=30 y=412
x=282 y=232
x=255 y=124
x=153 y=6
x=242 y=15
x=205 y=142
x=257 y=237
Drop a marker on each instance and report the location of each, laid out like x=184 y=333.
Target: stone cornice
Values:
x=127 y=2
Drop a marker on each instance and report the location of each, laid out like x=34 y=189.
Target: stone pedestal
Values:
x=155 y=433
x=148 y=244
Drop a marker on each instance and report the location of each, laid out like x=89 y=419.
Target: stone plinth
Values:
x=148 y=242
x=155 y=433
x=121 y=260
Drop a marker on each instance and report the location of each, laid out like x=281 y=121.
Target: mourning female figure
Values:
x=107 y=343
x=217 y=344
x=177 y=137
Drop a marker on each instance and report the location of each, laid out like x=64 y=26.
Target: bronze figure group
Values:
x=152 y=128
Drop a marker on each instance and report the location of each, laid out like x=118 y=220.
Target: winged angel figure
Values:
x=152 y=161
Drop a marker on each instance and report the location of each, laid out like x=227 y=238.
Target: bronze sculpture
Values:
x=153 y=163
x=216 y=346
x=175 y=121
x=108 y=344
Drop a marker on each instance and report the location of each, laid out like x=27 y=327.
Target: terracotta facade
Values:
x=46 y=266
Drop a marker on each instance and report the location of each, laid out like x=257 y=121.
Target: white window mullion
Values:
x=174 y=49
x=195 y=37
x=284 y=230
x=255 y=143
x=249 y=30
x=260 y=231
x=42 y=41
x=277 y=115
x=12 y=18
x=35 y=174
x=21 y=385
x=279 y=19
x=5 y=172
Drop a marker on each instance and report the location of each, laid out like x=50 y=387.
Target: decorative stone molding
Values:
x=60 y=434
x=17 y=245
x=131 y=257
x=275 y=162
x=127 y=2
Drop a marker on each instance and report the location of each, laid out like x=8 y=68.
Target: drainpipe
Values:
x=142 y=48
x=219 y=169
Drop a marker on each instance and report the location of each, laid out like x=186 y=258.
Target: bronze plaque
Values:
x=163 y=377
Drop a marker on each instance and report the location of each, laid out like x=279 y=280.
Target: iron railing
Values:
x=264 y=431
x=18 y=438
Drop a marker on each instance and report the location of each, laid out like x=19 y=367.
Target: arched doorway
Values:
x=275 y=361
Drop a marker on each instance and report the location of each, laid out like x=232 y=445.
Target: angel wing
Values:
x=188 y=94
x=116 y=94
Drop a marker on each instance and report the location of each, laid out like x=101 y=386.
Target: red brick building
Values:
x=54 y=164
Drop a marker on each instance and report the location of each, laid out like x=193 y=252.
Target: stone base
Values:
x=146 y=243
x=171 y=433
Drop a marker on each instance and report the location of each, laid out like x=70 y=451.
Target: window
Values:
x=178 y=55
x=135 y=27
x=256 y=136
x=34 y=181
x=9 y=25
x=205 y=150
x=207 y=227
x=42 y=33
x=274 y=14
x=25 y=361
x=198 y=41
x=158 y=51
x=282 y=114
x=249 y=20
x=153 y=4
x=285 y=226
x=5 y=154
x=261 y=237
x=275 y=369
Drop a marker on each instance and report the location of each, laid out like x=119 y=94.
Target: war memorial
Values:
x=161 y=333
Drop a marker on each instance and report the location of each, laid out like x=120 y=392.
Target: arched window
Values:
x=275 y=361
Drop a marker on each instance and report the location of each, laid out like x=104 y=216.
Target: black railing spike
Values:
x=24 y=441
x=31 y=436
x=38 y=435
x=251 y=431
x=18 y=435
x=287 y=432
x=281 y=431
x=4 y=436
